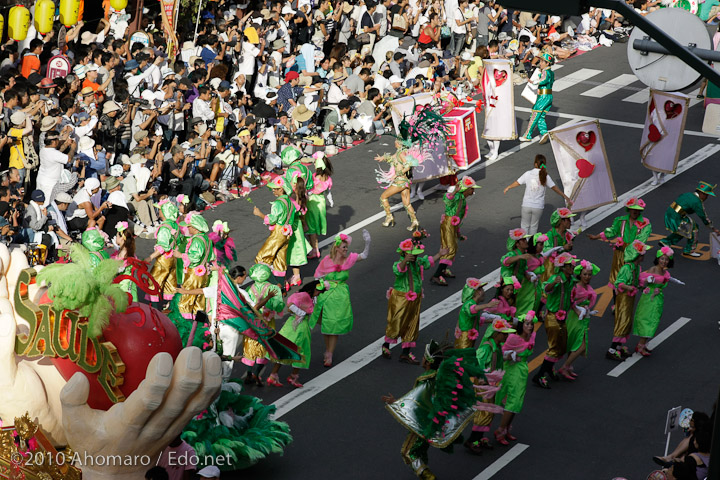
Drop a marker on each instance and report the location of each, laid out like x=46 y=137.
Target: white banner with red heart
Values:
x=663 y=132
x=583 y=166
x=499 y=101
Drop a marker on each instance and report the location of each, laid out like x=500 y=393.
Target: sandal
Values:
x=613 y=354
x=565 y=374
x=273 y=380
x=439 y=281
x=386 y=353
x=295 y=281
x=473 y=447
x=449 y=274
x=500 y=437
x=409 y=359
x=327 y=360
x=541 y=382
x=485 y=443
x=509 y=436
x=642 y=351
x=293 y=380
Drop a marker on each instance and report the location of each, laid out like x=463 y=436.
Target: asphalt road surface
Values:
x=598 y=427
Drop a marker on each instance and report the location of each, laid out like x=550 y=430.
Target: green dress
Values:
x=681 y=224
x=578 y=329
x=316 y=216
x=650 y=308
x=300 y=336
x=333 y=309
x=298 y=247
x=514 y=381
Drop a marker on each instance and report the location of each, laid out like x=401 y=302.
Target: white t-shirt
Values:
x=458 y=15
x=534 y=196
x=249 y=54
x=82 y=196
x=52 y=163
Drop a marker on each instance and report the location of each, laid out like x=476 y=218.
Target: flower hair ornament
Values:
x=467 y=182
x=517 y=234
x=501 y=325
x=641 y=247
x=635 y=203
x=342 y=238
x=220 y=227
x=121 y=226
x=563 y=259
x=183 y=199
x=667 y=251
x=586 y=264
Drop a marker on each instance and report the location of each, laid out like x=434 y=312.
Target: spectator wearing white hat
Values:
x=20 y=130
x=92 y=157
x=137 y=193
x=56 y=211
x=211 y=472
x=53 y=161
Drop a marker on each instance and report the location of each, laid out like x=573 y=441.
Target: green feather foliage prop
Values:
x=425 y=126
x=90 y=291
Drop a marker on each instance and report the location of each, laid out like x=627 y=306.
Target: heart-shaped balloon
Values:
x=654 y=134
x=586 y=140
x=585 y=168
x=500 y=77
x=672 y=109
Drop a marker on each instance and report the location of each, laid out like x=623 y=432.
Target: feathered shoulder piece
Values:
x=454 y=390
x=90 y=291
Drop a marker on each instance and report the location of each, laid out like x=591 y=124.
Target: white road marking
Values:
x=557 y=67
x=612 y=122
x=661 y=337
x=639 y=97
x=502 y=462
x=693 y=97
x=610 y=86
x=574 y=78
x=362 y=358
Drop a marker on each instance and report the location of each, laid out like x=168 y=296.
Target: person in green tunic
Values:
x=559 y=235
x=471 y=316
x=333 y=309
x=543 y=102
x=558 y=289
x=266 y=298
x=197 y=259
x=489 y=358
x=93 y=240
x=405 y=298
x=297 y=329
x=679 y=222
x=516 y=350
x=515 y=264
x=578 y=318
x=169 y=238
x=626 y=289
x=298 y=246
x=125 y=243
x=439 y=407
x=652 y=301
x=316 y=215
x=279 y=221
x=455 y=211
x=624 y=230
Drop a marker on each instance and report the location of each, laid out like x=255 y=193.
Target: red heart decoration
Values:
x=654 y=134
x=586 y=140
x=585 y=168
x=672 y=109
x=500 y=77
x=138 y=334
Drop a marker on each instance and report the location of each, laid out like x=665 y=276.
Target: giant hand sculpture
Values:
x=143 y=424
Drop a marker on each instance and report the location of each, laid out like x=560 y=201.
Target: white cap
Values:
x=287 y=9
x=209 y=472
x=395 y=79
x=466 y=56
x=148 y=95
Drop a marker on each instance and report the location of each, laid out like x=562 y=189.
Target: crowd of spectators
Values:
x=132 y=123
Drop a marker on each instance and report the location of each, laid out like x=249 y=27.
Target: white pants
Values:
x=230 y=338
x=530 y=219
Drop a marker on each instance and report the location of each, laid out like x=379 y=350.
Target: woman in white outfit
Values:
x=535 y=181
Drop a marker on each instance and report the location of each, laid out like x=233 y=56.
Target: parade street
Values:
x=609 y=422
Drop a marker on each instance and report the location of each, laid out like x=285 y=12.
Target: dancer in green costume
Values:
x=515 y=264
x=333 y=309
x=471 y=316
x=516 y=351
x=316 y=216
x=94 y=241
x=578 y=317
x=543 y=102
x=679 y=222
x=652 y=302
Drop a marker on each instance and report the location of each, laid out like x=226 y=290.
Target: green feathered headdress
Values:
x=425 y=126
x=90 y=291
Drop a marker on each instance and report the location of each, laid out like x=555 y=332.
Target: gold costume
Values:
x=403 y=318
x=624 y=311
x=449 y=238
x=617 y=262
x=556 y=336
x=274 y=251
x=163 y=271
x=189 y=304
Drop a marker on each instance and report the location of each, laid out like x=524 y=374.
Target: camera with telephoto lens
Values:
x=141 y=102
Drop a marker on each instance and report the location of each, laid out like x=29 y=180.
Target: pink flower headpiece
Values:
x=517 y=234
x=406 y=245
x=342 y=238
x=635 y=202
x=163 y=202
x=220 y=227
x=562 y=259
x=530 y=315
x=564 y=212
x=473 y=283
x=183 y=199
x=541 y=238
x=121 y=226
x=641 y=247
x=667 y=251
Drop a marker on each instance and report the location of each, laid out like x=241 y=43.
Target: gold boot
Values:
x=414 y=224
x=389 y=219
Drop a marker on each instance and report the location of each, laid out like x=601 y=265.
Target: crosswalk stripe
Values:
x=574 y=78
x=611 y=86
x=640 y=97
x=557 y=67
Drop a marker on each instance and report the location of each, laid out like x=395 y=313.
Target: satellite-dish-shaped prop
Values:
x=654 y=65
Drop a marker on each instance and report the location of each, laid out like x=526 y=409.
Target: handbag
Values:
x=445 y=31
x=30 y=158
x=363 y=38
x=399 y=23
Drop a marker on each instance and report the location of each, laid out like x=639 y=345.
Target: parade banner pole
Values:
x=197 y=20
